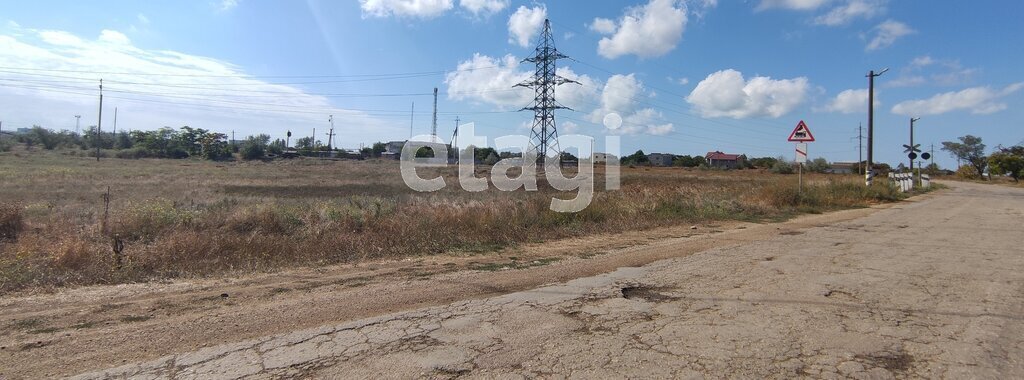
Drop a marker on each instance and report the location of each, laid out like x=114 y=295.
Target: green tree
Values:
x=782 y=166
x=763 y=162
x=304 y=144
x=254 y=147
x=1008 y=161
x=969 y=150
x=424 y=152
x=378 y=149
x=686 y=161
x=819 y=165
x=276 y=147
x=639 y=157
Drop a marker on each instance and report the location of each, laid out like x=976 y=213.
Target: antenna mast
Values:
x=433 y=128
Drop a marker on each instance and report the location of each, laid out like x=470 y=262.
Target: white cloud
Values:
x=171 y=88
x=114 y=37
x=853 y=9
x=576 y=96
x=649 y=31
x=922 y=61
x=568 y=127
x=142 y=19
x=58 y=37
x=484 y=7
x=405 y=8
x=619 y=95
x=800 y=5
x=927 y=70
x=850 y=101
x=492 y=80
x=727 y=94
x=602 y=25
x=703 y=7
x=977 y=100
x=622 y=95
x=526 y=24
x=227 y=5
x=887 y=33
x=661 y=129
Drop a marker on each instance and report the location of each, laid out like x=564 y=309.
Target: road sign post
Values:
x=801 y=135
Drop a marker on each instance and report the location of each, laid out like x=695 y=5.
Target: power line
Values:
x=435 y=72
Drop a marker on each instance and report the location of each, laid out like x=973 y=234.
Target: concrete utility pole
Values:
x=869 y=173
x=77 y=119
x=99 y=124
x=330 y=134
x=115 y=121
x=860 y=146
x=455 y=139
x=932 y=154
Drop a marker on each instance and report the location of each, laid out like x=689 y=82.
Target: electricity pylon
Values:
x=544 y=136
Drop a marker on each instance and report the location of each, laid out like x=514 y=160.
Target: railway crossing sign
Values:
x=912 y=151
x=801 y=133
x=801 y=153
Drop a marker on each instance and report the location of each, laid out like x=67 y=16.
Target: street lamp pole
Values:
x=869 y=173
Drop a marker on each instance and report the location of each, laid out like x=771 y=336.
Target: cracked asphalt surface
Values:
x=929 y=288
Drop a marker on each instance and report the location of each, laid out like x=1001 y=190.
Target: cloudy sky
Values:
x=686 y=76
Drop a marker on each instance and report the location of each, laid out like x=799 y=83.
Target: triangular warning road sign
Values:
x=801 y=133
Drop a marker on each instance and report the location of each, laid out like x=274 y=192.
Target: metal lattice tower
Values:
x=544 y=136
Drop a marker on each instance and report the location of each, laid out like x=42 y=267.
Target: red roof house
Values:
x=717 y=159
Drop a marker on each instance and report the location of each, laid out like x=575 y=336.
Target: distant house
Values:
x=393 y=149
x=844 y=168
x=603 y=158
x=720 y=160
x=661 y=159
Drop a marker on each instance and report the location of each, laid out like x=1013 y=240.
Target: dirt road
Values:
x=930 y=288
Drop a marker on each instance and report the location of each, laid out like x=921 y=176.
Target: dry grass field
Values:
x=186 y=218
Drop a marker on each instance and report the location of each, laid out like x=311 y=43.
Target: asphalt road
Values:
x=933 y=287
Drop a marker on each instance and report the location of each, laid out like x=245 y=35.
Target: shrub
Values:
x=254 y=147
x=967 y=172
x=6 y=145
x=782 y=167
x=11 y=221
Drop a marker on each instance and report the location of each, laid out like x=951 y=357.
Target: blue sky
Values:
x=686 y=76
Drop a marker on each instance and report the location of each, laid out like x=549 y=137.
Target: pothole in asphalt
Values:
x=646 y=293
x=893 y=362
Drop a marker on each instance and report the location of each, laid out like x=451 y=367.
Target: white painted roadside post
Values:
x=801 y=159
x=926 y=181
x=801 y=135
